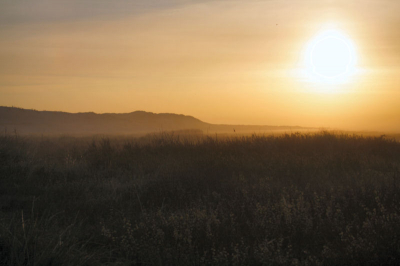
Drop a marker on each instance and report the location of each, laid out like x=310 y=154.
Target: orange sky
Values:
x=236 y=62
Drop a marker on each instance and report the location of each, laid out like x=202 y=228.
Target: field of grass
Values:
x=293 y=199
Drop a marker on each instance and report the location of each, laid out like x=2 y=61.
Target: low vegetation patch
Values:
x=292 y=199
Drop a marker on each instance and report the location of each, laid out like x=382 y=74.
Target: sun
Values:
x=330 y=58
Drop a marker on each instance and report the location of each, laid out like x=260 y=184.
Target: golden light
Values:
x=330 y=58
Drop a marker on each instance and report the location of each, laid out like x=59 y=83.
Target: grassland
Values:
x=293 y=199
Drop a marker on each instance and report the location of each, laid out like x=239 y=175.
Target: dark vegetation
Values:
x=319 y=199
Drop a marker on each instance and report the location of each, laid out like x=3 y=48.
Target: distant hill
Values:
x=26 y=121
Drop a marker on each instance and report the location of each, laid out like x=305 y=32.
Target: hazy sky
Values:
x=238 y=62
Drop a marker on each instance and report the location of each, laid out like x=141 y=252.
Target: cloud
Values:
x=18 y=11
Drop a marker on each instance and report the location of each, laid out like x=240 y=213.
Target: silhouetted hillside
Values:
x=26 y=121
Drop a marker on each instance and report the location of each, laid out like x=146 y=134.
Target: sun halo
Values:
x=329 y=58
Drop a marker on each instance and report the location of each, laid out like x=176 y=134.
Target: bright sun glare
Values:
x=330 y=58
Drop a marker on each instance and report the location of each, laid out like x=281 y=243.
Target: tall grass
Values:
x=298 y=199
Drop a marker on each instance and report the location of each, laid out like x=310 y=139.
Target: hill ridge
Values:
x=31 y=121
